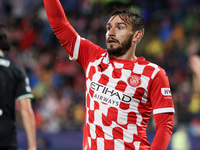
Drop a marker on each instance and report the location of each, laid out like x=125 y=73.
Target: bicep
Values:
x=25 y=104
x=164 y=119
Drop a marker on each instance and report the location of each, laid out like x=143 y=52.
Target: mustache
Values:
x=111 y=39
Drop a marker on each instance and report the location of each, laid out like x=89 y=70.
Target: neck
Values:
x=127 y=57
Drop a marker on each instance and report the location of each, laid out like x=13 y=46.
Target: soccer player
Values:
x=122 y=90
x=14 y=84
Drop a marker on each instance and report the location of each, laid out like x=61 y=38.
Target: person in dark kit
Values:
x=14 y=85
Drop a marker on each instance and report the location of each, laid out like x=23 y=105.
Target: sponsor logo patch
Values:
x=166 y=91
x=109 y=95
x=134 y=80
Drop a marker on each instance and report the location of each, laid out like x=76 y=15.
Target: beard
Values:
x=121 y=49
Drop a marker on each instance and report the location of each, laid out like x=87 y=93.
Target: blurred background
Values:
x=58 y=84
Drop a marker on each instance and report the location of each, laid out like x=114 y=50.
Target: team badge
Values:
x=134 y=80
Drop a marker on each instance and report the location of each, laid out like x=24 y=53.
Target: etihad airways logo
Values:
x=166 y=91
x=108 y=95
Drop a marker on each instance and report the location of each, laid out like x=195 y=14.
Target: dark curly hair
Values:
x=131 y=17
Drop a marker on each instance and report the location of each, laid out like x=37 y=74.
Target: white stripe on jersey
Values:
x=92 y=131
x=156 y=69
x=76 y=48
x=163 y=110
x=137 y=145
x=118 y=65
x=132 y=128
x=89 y=143
x=100 y=143
x=119 y=144
x=138 y=69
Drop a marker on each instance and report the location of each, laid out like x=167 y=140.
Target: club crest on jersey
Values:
x=134 y=80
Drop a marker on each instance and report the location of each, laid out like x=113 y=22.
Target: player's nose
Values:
x=111 y=32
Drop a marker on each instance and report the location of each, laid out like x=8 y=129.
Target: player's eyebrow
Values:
x=118 y=23
x=121 y=23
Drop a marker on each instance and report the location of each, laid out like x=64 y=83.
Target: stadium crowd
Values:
x=58 y=84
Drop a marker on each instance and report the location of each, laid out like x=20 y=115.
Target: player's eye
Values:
x=108 y=28
x=120 y=27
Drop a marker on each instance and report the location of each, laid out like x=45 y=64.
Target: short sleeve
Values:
x=23 y=89
x=160 y=94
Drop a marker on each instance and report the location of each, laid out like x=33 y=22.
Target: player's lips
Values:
x=112 y=40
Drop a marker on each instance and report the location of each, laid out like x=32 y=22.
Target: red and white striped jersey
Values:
x=120 y=97
x=120 y=94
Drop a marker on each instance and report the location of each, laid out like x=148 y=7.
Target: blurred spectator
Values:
x=180 y=139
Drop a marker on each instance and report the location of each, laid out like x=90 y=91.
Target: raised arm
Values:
x=78 y=48
x=55 y=13
x=60 y=26
x=29 y=122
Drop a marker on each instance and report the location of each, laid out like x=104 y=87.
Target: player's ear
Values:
x=137 y=36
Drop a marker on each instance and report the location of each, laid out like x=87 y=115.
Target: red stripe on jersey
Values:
x=91 y=116
x=86 y=135
x=88 y=100
x=104 y=79
x=132 y=118
x=121 y=86
x=109 y=144
x=88 y=130
x=148 y=71
x=128 y=66
x=92 y=72
x=139 y=93
x=104 y=103
x=102 y=66
x=118 y=133
x=93 y=144
x=124 y=106
x=129 y=146
x=111 y=116
x=91 y=112
x=91 y=92
x=117 y=73
x=99 y=132
x=106 y=121
x=96 y=105
x=142 y=61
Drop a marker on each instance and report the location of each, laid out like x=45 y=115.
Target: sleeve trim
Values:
x=76 y=49
x=24 y=96
x=163 y=110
